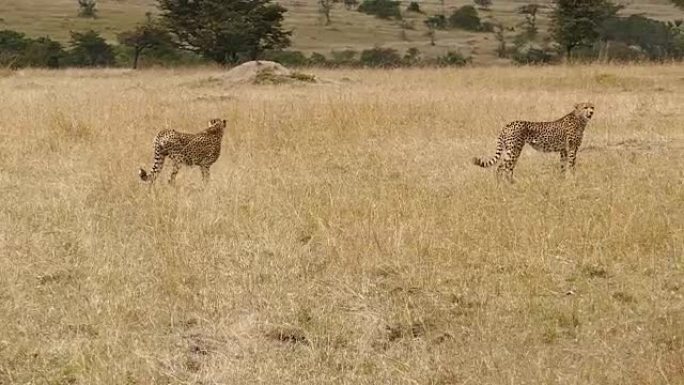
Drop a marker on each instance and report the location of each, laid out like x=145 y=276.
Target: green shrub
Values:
x=483 y=4
x=466 y=18
x=437 y=22
x=16 y=50
x=412 y=57
x=453 y=59
x=383 y=9
x=344 y=58
x=44 y=52
x=414 y=6
x=317 y=59
x=89 y=49
x=533 y=55
x=657 y=39
x=381 y=57
x=12 y=46
x=287 y=58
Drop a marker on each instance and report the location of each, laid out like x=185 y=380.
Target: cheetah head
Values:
x=217 y=123
x=216 y=126
x=584 y=110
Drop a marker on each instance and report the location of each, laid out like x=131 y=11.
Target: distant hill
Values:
x=349 y=29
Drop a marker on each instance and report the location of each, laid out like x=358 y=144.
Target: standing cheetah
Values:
x=563 y=135
x=200 y=149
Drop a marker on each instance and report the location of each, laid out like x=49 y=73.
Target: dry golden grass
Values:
x=344 y=237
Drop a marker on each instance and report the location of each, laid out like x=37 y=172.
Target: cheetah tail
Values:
x=483 y=162
x=144 y=176
x=156 y=168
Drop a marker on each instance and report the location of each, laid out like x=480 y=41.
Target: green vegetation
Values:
x=576 y=23
x=507 y=32
x=89 y=49
x=226 y=31
x=466 y=18
x=383 y=9
x=144 y=37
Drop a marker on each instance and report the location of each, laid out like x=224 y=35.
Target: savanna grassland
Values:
x=349 y=29
x=344 y=236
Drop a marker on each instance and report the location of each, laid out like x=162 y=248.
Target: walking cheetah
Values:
x=199 y=149
x=563 y=135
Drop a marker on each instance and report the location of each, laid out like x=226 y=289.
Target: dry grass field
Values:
x=344 y=237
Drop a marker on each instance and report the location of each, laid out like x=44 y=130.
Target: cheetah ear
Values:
x=224 y=122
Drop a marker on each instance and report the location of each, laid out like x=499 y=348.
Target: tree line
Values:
x=232 y=31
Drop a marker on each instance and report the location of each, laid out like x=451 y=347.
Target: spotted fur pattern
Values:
x=200 y=149
x=563 y=136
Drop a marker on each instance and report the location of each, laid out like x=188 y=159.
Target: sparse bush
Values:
x=269 y=76
x=143 y=37
x=414 y=6
x=324 y=8
x=532 y=55
x=487 y=26
x=437 y=22
x=466 y=18
x=381 y=57
x=383 y=9
x=12 y=46
x=499 y=35
x=344 y=58
x=657 y=39
x=350 y=4
x=87 y=8
x=43 y=52
x=621 y=52
x=483 y=4
x=16 y=50
x=89 y=49
x=317 y=59
x=287 y=58
x=452 y=59
x=530 y=24
x=412 y=57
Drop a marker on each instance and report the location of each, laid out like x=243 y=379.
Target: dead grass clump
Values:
x=287 y=333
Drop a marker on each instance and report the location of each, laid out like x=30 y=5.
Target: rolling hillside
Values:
x=349 y=29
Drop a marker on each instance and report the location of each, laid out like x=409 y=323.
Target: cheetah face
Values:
x=217 y=123
x=584 y=110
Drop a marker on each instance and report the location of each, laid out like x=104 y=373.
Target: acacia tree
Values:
x=89 y=49
x=530 y=12
x=577 y=23
x=324 y=7
x=226 y=31
x=148 y=35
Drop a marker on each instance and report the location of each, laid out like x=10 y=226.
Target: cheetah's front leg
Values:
x=572 y=156
x=205 y=174
x=175 y=166
x=564 y=160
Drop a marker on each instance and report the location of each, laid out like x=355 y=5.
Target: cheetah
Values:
x=563 y=136
x=198 y=149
